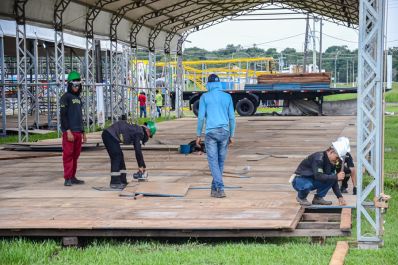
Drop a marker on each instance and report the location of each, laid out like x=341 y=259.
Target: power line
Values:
x=258 y=44
x=339 y=38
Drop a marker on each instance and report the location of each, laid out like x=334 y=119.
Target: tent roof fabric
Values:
x=159 y=20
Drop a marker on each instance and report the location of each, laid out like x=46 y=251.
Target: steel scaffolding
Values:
x=23 y=96
x=370 y=122
x=152 y=84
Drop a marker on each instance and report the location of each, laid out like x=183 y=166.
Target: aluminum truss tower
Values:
x=23 y=96
x=59 y=54
x=370 y=123
x=152 y=84
x=3 y=89
x=179 y=86
x=168 y=83
x=133 y=113
x=89 y=89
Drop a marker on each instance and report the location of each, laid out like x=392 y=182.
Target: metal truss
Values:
x=370 y=140
x=339 y=12
x=23 y=96
x=136 y=27
x=3 y=89
x=34 y=63
x=89 y=91
x=179 y=86
x=239 y=10
x=92 y=14
x=152 y=84
x=133 y=95
x=118 y=16
x=59 y=8
x=107 y=88
x=195 y=16
x=168 y=83
x=114 y=77
x=124 y=65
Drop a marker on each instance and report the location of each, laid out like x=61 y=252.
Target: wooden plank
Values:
x=321 y=217
x=318 y=225
x=159 y=189
x=172 y=233
x=297 y=219
x=346 y=222
x=32 y=191
x=339 y=253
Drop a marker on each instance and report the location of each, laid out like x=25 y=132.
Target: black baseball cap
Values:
x=213 y=78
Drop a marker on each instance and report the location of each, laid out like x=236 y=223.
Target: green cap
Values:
x=152 y=127
x=73 y=76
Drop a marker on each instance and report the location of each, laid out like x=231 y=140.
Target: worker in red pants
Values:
x=72 y=128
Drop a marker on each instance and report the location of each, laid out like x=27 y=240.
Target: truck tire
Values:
x=195 y=107
x=245 y=107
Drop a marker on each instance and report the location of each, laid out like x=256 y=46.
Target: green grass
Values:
x=392 y=95
x=340 y=97
x=32 y=138
x=53 y=135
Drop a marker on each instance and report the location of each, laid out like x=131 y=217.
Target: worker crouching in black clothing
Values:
x=123 y=132
x=318 y=172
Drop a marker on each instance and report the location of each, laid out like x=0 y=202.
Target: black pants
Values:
x=344 y=183
x=117 y=159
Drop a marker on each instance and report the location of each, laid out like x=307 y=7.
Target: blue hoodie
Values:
x=217 y=108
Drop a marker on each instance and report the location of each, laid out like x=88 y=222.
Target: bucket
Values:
x=185 y=149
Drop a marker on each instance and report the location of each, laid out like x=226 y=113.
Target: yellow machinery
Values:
x=235 y=72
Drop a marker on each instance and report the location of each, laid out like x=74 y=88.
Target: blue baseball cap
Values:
x=213 y=78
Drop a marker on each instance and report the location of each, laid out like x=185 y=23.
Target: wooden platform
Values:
x=260 y=202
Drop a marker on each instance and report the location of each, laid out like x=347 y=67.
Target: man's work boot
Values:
x=218 y=193
x=74 y=180
x=123 y=178
x=320 y=201
x=68 y=182
x=117 y=186
x=354 y=191
x=303 y=202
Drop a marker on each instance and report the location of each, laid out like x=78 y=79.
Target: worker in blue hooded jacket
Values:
x=216 y=108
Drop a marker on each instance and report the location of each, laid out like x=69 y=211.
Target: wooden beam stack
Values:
x=294 y=78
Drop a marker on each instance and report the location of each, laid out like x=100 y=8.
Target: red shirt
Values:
x=142 y=100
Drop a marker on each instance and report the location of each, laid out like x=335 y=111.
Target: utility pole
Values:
x=353 y=72
x=335 y=68
x=306 y=43
x=313 y=47
x=320 y=44
x=347 y=80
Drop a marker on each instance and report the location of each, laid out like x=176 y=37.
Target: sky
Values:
x=280 y=34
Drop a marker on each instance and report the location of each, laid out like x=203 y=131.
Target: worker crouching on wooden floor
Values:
x=123 y=132
x=318 y=172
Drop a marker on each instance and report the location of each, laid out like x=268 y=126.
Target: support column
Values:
x=35 y=89
x=370 y=122
x=59 y=73
x=22 y=88
x=168 y=76
x=59 y=8
x=114 y=64
x=179 y=88
x=134 y=85
x=89 y=88
x=152 y=84
x=3 y=89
